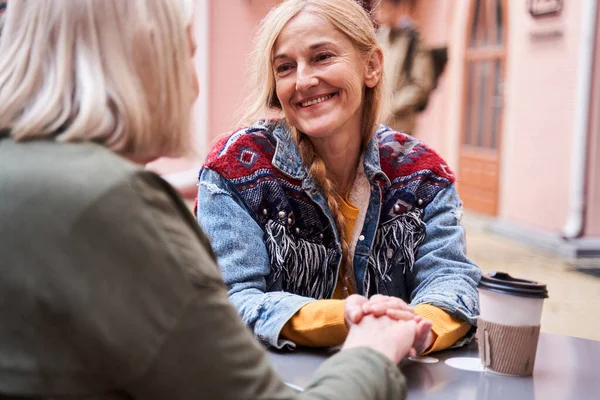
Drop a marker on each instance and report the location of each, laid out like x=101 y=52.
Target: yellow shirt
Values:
x=321 y=323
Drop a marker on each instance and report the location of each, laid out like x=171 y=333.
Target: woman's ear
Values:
x=374 y=68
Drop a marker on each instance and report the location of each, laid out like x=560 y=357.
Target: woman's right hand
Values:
x=358 y=306
x=391 y=306
x=394 y=339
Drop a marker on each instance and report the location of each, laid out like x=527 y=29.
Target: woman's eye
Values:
x=323 y=56
x=283 y=68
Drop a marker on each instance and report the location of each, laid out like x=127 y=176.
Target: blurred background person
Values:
x=408 y=63
x=109 y=288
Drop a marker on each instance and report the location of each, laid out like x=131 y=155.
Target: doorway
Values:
x=479 y=153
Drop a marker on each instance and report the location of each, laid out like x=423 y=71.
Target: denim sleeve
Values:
x=442 y=275
x=238 y=244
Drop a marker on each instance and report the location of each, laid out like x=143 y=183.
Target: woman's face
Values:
x=319 y=77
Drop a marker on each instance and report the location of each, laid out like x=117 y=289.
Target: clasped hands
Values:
x=389 y=321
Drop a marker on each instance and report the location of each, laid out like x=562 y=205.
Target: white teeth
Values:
x=315 y=101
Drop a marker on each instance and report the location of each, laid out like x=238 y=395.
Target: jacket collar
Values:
x=287 y=156
x=372 y=161
x=288 y=160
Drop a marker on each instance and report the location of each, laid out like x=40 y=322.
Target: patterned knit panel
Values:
x=299 y=239
x=417 y=175
x=408 y=162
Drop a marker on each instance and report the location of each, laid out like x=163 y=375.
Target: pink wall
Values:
x=230 y=33
x=538 y=119
x=435 y=21
x=232 y=27
x=592 y=222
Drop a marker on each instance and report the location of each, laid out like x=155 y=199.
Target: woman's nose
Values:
x=305 y=78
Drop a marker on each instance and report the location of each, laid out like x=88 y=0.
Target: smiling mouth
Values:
x=316 y=101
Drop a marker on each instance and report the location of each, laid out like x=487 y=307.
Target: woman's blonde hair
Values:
x=352 y=20
x=110 y=71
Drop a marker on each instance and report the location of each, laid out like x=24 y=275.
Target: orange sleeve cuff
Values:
x=317 y=324
x=447 y=328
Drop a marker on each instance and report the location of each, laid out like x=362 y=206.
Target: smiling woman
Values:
x=330 y=204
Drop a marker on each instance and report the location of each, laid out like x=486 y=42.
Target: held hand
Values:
x=393 y=339
x=398 y=310
x=394 y=307
x=378 y=305
x=357 y=307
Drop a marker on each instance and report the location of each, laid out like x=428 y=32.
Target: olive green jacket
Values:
x=109 y=290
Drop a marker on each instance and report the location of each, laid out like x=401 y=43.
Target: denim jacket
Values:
x=275 y=238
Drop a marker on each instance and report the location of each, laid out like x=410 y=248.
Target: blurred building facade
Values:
x=516 y=113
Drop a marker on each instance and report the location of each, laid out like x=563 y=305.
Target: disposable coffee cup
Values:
x=508 y=326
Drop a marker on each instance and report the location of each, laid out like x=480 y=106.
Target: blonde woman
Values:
x=109 y=289
x=323 y=203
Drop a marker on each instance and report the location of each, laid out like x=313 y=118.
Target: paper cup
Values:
x=509 y=323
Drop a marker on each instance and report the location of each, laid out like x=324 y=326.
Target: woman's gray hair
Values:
x=113 y=72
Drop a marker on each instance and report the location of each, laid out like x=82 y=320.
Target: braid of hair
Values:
x=317 y=170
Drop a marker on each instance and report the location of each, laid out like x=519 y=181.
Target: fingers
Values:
x=423 y=336
x=400 y=315
x=356 y=300
x=396 y=333
x=378 y=305
x=393 y=339
x=354 y=315
x=378 y=297
x=381 y=299
x=423 y=329
x=412 y=352
x=406 y=331
x=353 y=309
